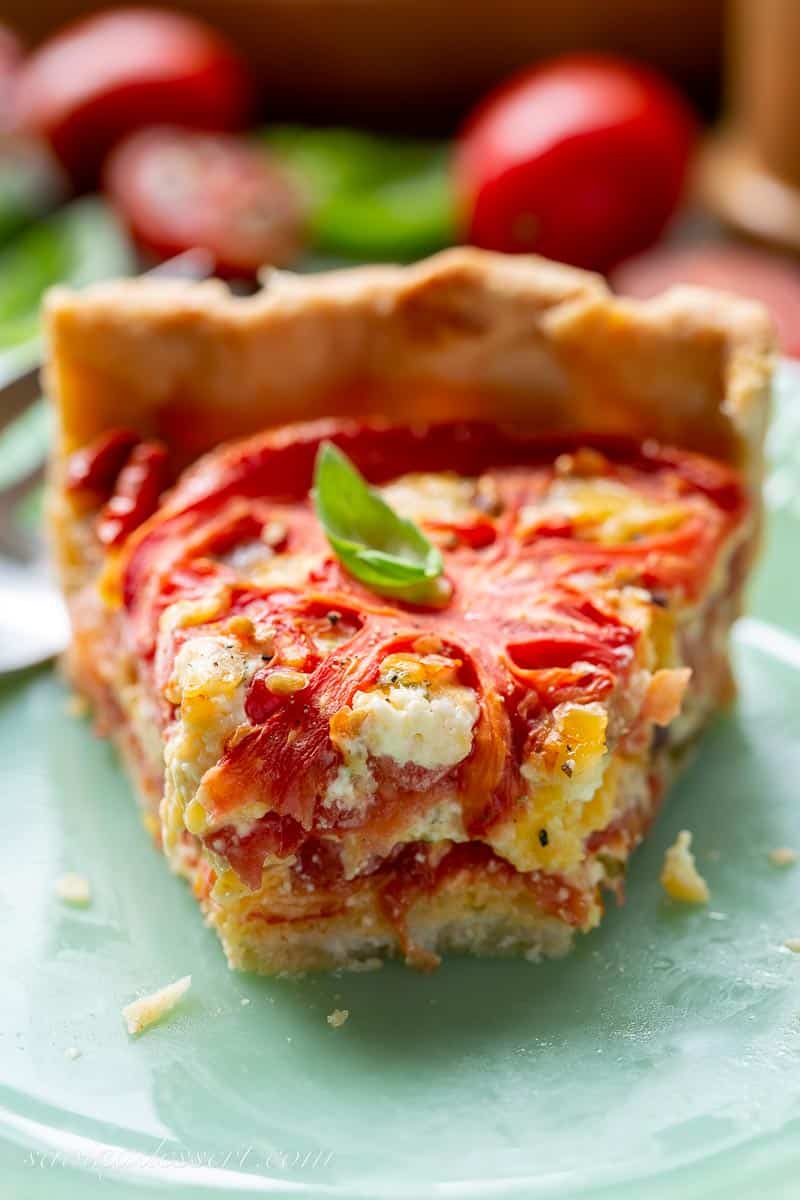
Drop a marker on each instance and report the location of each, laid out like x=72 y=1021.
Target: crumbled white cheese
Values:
x=411 y=725
x=338 y=1017
x=141 y=1014
x=72 y=1052
x=783 y=856
x=679 y=876
x=73 y=888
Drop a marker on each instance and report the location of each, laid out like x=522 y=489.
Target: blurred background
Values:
x=655 y=142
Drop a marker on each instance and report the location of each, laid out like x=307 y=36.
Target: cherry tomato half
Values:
x=176 y=188
x=582 y=159
x=117 y=71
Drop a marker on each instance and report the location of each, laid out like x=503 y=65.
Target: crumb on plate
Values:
x=783 y=856
x=793 y=944
x=72 y=1052
x=679 y=876
x=76 y=706
x=144 y=1012
x=338 y=1017
x=245 y=1000
x=73 y=888
x=364 y=964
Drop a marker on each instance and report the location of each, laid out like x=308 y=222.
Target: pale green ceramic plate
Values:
x=661 y=1060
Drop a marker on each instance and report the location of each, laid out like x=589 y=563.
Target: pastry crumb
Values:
x=76 y=706
x=793 y=944
x=679 y=876
x=141 y=1014
x=783 y=856
x=72 y=1052
x=338 y=1017
x=364 y=964
x=73 y=888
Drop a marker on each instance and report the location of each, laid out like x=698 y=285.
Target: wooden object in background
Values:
x=749 y=173
x=421 y=63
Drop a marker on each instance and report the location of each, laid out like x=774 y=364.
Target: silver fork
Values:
x=33 y=621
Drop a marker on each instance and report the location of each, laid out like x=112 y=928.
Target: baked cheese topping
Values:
x=318 y=728
x=604 y=510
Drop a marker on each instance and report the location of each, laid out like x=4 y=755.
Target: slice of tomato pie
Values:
x=344 y=769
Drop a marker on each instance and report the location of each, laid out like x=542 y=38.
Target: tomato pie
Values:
x=403 y=591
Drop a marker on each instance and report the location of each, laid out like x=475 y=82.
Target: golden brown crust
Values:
x=464 y=332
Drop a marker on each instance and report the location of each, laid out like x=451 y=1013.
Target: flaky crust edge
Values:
x=464 y=332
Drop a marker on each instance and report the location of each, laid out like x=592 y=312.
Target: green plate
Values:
x=661 y=1060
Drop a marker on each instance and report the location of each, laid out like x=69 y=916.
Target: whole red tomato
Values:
x=582 y=159
x=117 y=71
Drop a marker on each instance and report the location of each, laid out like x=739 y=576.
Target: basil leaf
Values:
x=369 y=196
x=387 y=553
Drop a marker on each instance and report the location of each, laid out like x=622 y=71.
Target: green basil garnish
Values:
x=385 y=552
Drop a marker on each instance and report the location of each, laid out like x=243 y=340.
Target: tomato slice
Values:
x=177 y=189
x=755 y=274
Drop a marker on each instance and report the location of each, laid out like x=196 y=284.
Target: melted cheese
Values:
x=605 y=510
x=445 y=497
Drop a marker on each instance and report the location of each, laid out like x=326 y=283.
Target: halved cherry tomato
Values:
x=582 y=159
x=177 y=189
x=114 y=72
x=756 y=274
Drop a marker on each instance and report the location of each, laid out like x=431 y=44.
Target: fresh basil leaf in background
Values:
x=369 y=197
x=79 y=244
x=387 y=553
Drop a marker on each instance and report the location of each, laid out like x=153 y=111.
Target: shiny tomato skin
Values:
x=582 y=159
x=178 y=188
x=108 y=74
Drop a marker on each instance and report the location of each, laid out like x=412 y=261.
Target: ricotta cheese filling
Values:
x=411 y=725
x=413 y=718
x=208 y=685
